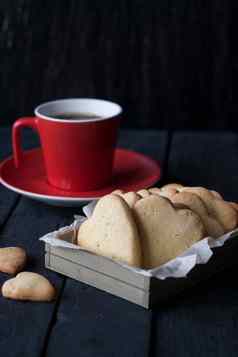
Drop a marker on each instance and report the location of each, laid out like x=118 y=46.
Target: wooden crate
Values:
x=115 y=279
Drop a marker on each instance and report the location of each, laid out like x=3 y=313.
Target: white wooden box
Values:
x=107 y=275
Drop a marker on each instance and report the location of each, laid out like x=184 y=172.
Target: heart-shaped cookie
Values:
x=111 y=231
x=143 y=193
x=130 y=197
x=221 y=210
x=165 y=231
x=12 y=259
x=234 y=205
x=155 y=190
x=170 y=189
x=216 y=194
x=28 y=286
x=117 y=192
x=213 y=227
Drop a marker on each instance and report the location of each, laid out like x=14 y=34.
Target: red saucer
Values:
x=132 y=171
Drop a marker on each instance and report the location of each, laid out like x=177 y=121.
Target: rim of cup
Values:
x=103 y=108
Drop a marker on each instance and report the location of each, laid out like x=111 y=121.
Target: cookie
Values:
x=216 y=194
x=192 y=201
x=170 y=189
x=165 y=232
x=176 y=186
x=29 y=286
x=234 y=205
x=117 y=192
x=12 y=260
x=111 y=231
x=131 y=198
x=155 y=190
x=143 y=193
x=221 y=210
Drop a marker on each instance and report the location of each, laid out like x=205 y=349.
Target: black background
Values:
x=169 y=63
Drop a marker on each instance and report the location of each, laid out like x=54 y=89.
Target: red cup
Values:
x=78 y=153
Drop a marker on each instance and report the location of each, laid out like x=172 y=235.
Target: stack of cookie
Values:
x=152 y=226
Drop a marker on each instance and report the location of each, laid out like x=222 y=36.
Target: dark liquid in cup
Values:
x=75 y=116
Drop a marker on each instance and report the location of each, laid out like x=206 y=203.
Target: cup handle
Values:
x=26 y=122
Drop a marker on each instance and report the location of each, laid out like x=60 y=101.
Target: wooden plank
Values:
x=98 y=280
x=90 y=322
x=206 y=159
x=25 y=325
x=203 y=322
x=98 y=263
x=8 y=199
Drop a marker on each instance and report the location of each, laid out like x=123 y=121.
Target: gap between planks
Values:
x=10 y=212
x=54 y=317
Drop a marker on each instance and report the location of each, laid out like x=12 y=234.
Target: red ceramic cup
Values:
x=78 y=153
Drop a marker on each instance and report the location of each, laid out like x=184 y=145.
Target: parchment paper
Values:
x=198 y=253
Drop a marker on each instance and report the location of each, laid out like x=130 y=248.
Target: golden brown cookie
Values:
x=131 y=198
x=155 y=190
x=111 y=231
x=194 y=202
x=234 y=205
x=143 y=193
x=117 y=192
x=12 y=259
x=216 y=194
x=222 y=211
x=29 y=286
x=165 y=232
x=174 y=185
x=170 y=189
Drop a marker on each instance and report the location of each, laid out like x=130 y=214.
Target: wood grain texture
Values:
x=8 y=199
x=24 y=325
x=102 y=324
x=169 y=63
x=204 y=321
x=103 y=282
x=202 y=159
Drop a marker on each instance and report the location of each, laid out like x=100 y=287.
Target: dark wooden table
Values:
x=87 y=322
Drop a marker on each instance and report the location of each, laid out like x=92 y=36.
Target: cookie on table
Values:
x=29 y=286
x=165 y=231
x=111 y=231
x=12 y=259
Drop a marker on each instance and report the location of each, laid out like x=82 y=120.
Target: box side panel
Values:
x=98 y=280
x=223 y=258
x=102 y=265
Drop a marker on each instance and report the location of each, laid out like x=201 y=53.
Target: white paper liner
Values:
x=198 y=253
